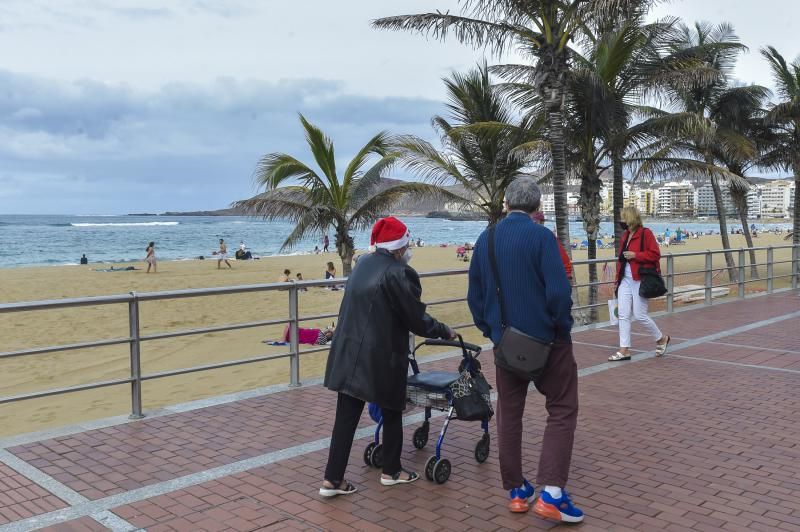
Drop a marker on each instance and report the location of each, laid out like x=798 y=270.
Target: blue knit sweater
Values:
x=536 y=292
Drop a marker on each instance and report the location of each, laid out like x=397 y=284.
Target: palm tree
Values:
x=482 y=151
x=744 y=114
x=321 y=199
x=784 y=120
x=541 y=30
x=693 y=149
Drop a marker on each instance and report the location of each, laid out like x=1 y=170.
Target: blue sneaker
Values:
x=520 y=498
x=557 y=509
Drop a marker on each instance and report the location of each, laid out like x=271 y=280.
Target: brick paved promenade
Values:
x=707 y=438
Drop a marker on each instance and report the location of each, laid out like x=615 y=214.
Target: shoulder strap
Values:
x=496 y=275
x=641 y=244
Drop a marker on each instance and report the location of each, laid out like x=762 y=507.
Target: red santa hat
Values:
x=390 y=233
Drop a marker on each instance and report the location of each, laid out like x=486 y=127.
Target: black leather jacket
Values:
x=369 y=354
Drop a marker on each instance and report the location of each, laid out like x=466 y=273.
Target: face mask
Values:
x=407 y=256
x=624 y=226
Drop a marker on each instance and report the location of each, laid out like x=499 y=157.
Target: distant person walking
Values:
x=530 y=293
x=638 y=247
x=84 y=260
x=222 y=254
x=150 y=259
x=325 y=243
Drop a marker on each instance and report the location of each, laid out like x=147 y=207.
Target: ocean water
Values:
x=27 y=240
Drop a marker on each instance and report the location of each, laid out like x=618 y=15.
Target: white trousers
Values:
x=633 y=306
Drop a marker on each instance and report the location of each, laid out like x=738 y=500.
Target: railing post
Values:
x=294 y=337
x=709 y=278
x=770 y=269
x=136 y=360
x=795 y=265
x=740 y=280
x=670 y=281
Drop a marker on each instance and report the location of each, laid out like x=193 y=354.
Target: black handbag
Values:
x=652 y=284
x=472 y=397
x=518 y=352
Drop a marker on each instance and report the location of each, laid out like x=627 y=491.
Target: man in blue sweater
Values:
x=537 y=301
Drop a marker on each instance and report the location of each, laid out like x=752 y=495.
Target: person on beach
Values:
x=300 y=278
x=536 y=301
x=330 y=273
x=325 y=243
x=630 y=304
x=368 y=360
x=285 y=277
x=222 y=254
x=150 y=259
x=84 y=260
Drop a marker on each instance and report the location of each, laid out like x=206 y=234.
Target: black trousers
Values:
x=348 y=413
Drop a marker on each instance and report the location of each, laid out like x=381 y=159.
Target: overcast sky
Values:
x=115 y=106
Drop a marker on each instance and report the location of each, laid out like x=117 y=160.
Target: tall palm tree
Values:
x=693 y=150
x=744 y=114
x=784 y=119
x=482 y=150
x=541 y=30
x=322 y=200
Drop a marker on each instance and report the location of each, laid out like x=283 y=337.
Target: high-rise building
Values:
x=675 y=199
x=776 y=199
x=707 y=205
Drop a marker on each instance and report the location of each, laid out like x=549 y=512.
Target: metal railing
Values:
x=135 y=338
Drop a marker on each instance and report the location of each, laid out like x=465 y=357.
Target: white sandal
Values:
x=617 y=357
x=661 y=349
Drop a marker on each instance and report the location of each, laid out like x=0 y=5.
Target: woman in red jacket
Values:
x=638 y=248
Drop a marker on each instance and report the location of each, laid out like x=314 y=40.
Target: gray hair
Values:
x=523 y=194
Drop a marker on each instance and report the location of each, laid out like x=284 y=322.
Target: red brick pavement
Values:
x=20 y=498
x=664 y=444
x=669 y=443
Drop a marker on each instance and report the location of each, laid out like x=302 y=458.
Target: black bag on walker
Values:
x=472 y=397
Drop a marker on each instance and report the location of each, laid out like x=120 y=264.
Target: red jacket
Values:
x=651 y=256
x=565 y=259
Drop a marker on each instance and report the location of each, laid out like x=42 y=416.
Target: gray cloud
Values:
x=95 y=147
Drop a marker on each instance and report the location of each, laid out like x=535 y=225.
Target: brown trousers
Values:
x=559 y=384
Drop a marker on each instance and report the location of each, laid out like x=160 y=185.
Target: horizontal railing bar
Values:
x=783 y=276
x=50 y=304
x=195 y=369
x=319 y=317
x=315 y=350
x=690 y=272
x=65 y=347
x=58 y=391
x=190 y=332
x=598 y=283
x=446 y=301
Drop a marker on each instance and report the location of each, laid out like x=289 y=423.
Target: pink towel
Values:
x=306 y=336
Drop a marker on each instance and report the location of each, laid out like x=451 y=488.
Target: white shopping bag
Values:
x=613 y=311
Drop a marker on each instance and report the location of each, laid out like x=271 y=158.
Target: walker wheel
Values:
x=441 y=471
x=429 y=465
x=420 y=438
x=482 y=449
x=377 y=456
x=368 y=453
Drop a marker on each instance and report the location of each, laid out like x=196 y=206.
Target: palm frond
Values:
x=275 y=168
x=496 y=36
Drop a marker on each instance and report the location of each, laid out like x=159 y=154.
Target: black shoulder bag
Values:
x=652 y=284
x=518 y=352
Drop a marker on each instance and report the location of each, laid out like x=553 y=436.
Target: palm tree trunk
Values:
x=555 y=123
x=590 y=211
x=619 y=199
x=740 y=199
x=345 y=247
x=723 y=228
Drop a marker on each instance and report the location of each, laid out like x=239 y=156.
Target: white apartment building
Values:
x=675 y=198
x=645 y=201
x=776 y=199
x=754 y=202
x=707 y=206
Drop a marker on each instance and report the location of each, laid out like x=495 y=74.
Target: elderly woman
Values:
x=638 y=247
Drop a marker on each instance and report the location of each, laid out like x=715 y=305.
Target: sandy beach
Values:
x=40 y=372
